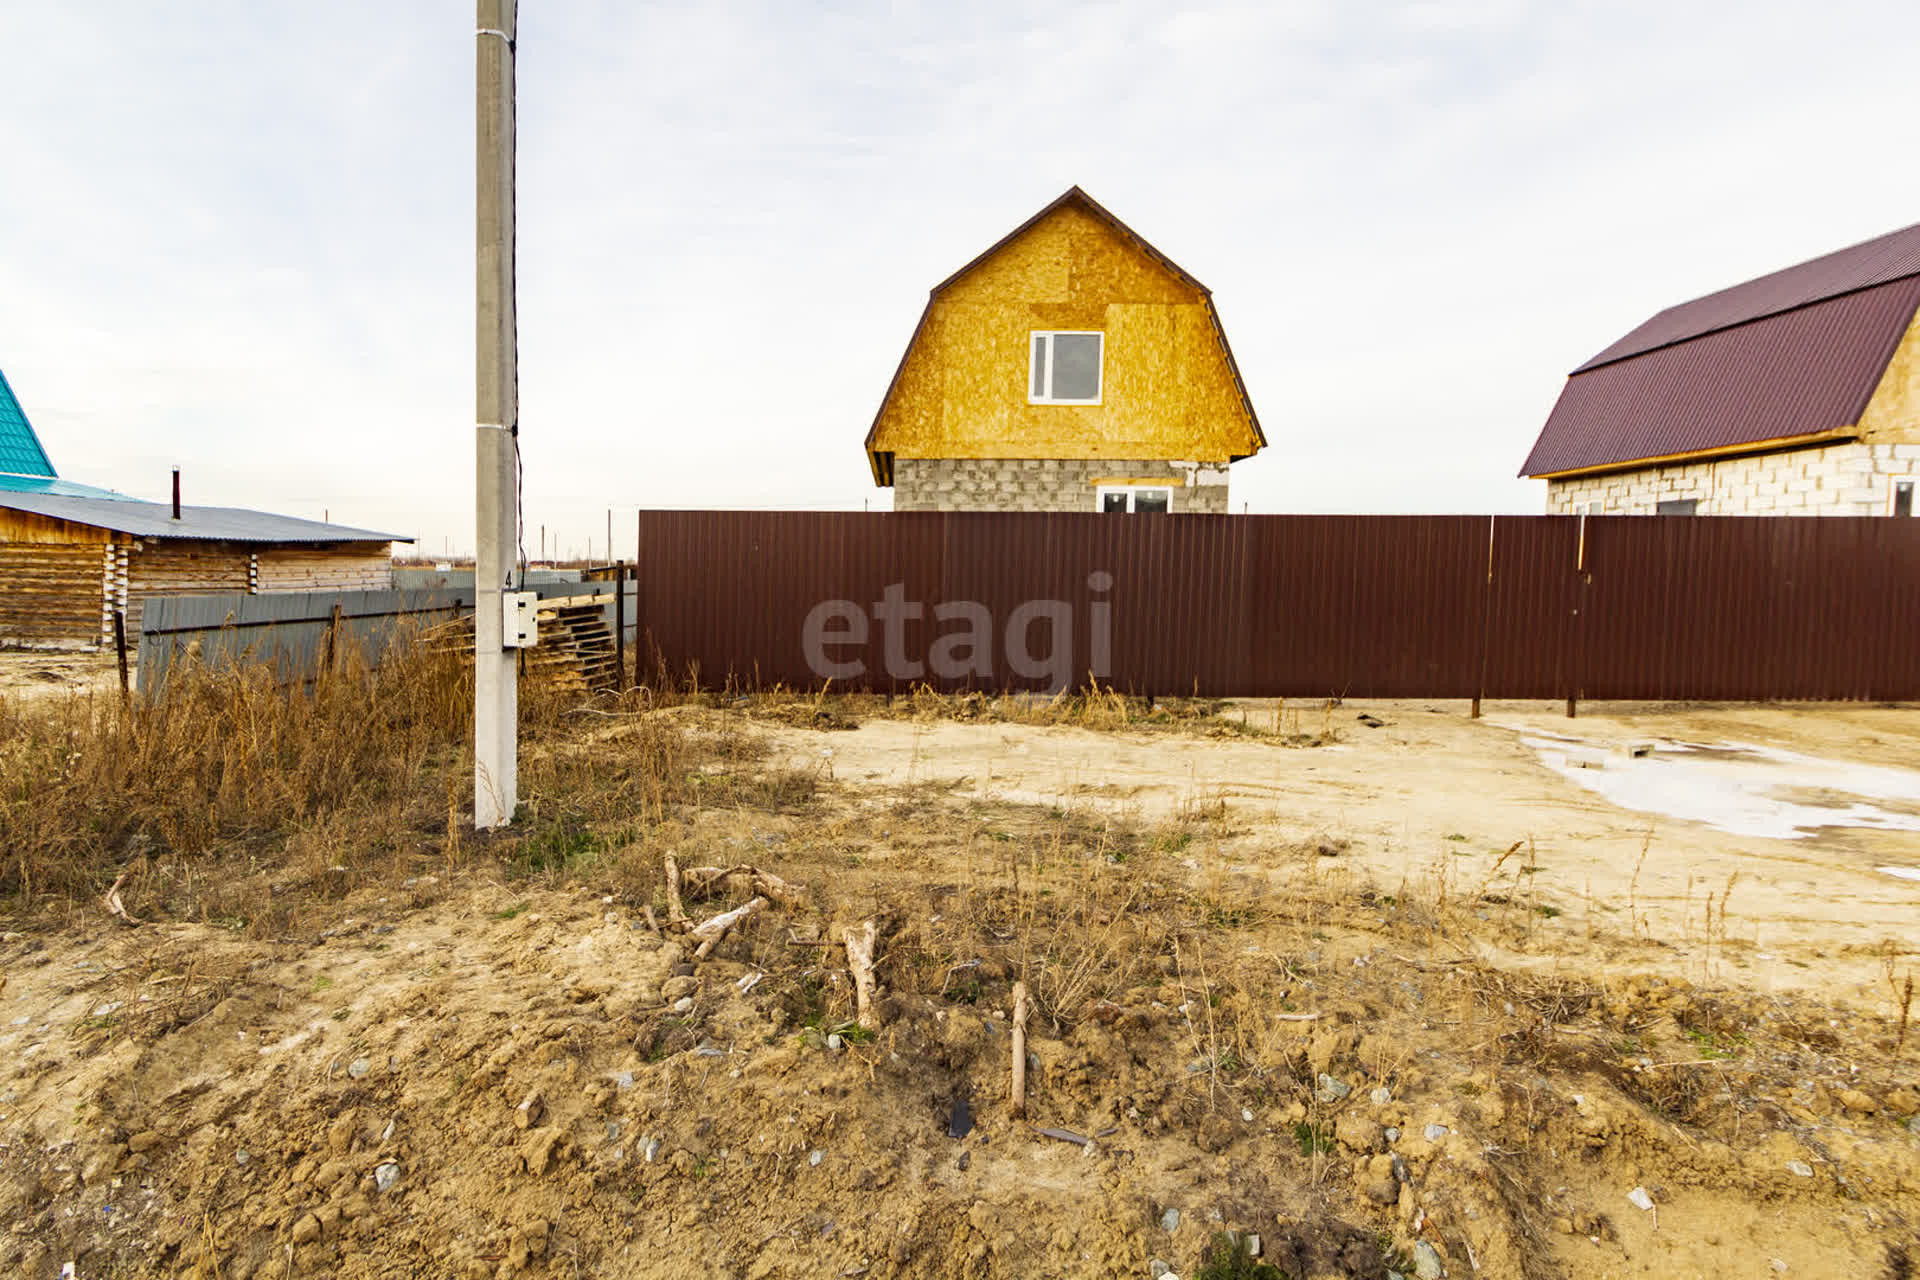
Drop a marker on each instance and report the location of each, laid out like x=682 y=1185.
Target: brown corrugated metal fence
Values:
x=1357 y=606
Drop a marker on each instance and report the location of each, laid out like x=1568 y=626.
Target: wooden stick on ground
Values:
x=112 y=899
x=698 y=882
x=860 y=960
x=1019 y=1050
x=709 y=934
x=676 y=915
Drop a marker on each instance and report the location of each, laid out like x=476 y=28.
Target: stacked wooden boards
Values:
x=576 y=650
x=575 y=653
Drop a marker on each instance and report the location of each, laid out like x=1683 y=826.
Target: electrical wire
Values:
x=513 y=273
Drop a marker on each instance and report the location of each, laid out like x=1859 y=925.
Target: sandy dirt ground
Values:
x=1396 y=1004
x=39 y=675
x=1431 y=795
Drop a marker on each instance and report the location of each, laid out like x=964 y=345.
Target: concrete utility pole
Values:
x=496 y=691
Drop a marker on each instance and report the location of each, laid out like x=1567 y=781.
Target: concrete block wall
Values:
x=1849 y=479
x=1047 y=484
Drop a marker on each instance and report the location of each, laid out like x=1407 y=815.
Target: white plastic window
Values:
x=1064 y=367
x=1137 y=499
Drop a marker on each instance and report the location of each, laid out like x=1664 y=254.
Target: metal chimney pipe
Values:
x=176 y=493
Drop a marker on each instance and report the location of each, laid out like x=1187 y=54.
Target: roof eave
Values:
x=882 y=477
x=1233 y=368
x=1834 y=435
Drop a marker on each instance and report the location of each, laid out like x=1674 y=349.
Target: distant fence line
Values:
x=294 y=632
x=1628 y=607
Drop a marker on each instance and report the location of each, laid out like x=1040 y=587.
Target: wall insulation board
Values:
x=1892 y=415
x=1167 y=392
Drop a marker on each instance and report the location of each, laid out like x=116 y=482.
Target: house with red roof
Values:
x=1797 y=393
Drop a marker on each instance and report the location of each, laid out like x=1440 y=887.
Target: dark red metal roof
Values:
x=1881 y=260
x=1784 y=376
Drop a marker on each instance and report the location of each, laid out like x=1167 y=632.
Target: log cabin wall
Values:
x=179 y=567
x=53 y=594
x=337 y=566
x=53 y=581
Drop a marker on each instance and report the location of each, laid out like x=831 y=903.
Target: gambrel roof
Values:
x=881 y=461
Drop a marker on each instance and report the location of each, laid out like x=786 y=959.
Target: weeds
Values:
x=1230 y=1257
x=558 y=846
x=1314 y=1139
x=1713 y=1047
x=1899 y=993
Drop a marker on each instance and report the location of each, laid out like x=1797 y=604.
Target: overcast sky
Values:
x=238 y=237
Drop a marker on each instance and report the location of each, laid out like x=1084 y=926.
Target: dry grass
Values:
x=220 y=760
x=232 y=798
x=1096 y=708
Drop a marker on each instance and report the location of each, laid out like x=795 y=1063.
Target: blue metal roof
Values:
x=56 y=486
x=155 y=520
x=20 y=451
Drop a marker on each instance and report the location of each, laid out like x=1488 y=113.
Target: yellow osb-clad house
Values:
x=1070 y=367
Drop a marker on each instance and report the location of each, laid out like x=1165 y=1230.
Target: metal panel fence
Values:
x=1359 y=606
x=295 y=633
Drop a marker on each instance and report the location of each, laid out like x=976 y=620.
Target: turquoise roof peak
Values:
x=20 y=451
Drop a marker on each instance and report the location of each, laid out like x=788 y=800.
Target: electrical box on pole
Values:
x=520 y=623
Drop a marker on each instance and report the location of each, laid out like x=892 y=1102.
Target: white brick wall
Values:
x=1046 y=484
x=1850 y=479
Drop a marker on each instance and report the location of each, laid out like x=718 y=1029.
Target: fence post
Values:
x=333 y=632
x=640 y=524
x=1486 y=621
x=1579 y=646
x=120 y=647
x=619 y=620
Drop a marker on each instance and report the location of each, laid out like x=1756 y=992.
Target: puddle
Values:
x=1740 y=788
